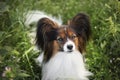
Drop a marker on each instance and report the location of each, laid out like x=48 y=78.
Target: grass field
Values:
x=17 y=54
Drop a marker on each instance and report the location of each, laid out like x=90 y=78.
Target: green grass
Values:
x=17 y=55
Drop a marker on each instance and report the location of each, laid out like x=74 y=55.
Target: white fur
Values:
x=65 y=66
x=39 y=60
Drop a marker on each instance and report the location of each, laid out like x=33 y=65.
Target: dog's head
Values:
x=53 y=38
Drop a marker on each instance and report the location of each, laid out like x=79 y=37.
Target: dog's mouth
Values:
x=70 y=51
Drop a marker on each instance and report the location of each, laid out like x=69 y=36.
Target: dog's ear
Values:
x=45 y=31
x=81 y=24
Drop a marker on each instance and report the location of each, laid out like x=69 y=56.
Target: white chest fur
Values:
x=65 y=66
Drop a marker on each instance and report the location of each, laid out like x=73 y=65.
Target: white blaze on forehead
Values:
x=65 y=29
x=69 y=42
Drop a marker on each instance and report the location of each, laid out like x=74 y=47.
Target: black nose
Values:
x=70 y=47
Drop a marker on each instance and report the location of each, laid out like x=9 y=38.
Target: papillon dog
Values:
x=63 y=47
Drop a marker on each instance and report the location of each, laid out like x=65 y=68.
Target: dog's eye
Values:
x=73 y=36
x=59 y=39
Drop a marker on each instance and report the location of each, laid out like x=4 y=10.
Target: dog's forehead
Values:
x=63 y=27
x=65 y=30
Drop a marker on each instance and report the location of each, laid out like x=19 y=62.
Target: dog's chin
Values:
x=69 y=52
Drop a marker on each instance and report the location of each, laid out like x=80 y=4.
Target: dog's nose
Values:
x=70 y=47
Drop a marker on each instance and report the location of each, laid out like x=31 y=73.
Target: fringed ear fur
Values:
x=81 y=25
x=45 y=27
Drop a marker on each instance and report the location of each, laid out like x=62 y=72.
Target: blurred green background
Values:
x=17 y=54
